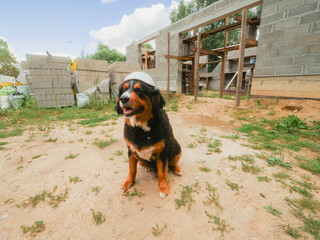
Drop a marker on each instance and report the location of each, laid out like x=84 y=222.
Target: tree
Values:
x=8 y=63
x=149 y=46
x=105 y=53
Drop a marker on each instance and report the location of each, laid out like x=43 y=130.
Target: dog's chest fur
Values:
x=144 y=140
x=145 y=153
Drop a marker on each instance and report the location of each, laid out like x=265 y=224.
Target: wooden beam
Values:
x=229 y=27
x=182 y=58
x=224 y=58
x=211 y=62
x=206 y=51
x=196 y=68
x=241 y=54
x=168 y=65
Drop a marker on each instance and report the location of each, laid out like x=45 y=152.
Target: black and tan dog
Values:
x=147 y=131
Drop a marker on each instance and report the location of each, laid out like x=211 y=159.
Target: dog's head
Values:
x=140 y=99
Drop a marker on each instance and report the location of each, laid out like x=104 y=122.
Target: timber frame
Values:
x=196 y=49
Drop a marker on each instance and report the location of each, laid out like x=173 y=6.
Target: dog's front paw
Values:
x=126 y=185
x=164 y=190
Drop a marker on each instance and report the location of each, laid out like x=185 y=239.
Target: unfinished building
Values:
x=284 y=60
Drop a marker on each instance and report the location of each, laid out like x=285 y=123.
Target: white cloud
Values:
x=141 y=23
x=108 y=1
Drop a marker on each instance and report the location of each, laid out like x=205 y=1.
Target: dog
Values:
x=147 y=131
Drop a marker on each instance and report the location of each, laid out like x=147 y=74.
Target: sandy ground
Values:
x=243 y=210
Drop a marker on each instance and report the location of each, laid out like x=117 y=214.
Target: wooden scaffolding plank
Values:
x=241 y=54
x=168 y=65
x=196 y=68
x=224 y=58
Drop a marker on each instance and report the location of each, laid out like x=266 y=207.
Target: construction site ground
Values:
x=213 y=199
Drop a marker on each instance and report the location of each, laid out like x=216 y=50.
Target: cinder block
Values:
x=287 y=4
x=289 y=70
x=310 y=18
x=303 y=9
x=288 y=23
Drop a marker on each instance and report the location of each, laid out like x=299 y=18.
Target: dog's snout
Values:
x=124 y=99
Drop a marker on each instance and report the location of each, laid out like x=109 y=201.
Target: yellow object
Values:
x=6 y=84
x=74 y=65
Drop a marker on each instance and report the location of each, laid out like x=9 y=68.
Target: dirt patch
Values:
x=102 y=172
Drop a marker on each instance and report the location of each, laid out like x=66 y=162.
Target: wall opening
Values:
x=148 y=55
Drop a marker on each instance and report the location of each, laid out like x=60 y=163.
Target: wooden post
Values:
x=196 y=68
x=250 y=79
x=168 y=65
x=241 y=55
x=224 y=58
x=145 y=57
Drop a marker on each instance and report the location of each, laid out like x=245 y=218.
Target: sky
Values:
x=71 y=26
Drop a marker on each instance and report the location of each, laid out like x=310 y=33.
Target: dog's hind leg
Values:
x=173 y=164
x=133 y=160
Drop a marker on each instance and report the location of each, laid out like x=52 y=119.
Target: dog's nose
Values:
x=124 y=99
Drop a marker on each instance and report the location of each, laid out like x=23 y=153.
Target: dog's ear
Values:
x=156 y=99
x=118 y=108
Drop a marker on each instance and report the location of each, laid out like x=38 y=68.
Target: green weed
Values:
x=273 y=211
x=54 y=200
x=52 y=140
x=96 y=120
x=233 y=136
x=245 y=157
x=12 y=133
x=272 y=161
x=265 y=178
x=221 y=224
x=134 y=193
x=232 y=185
x=39 y=226
x=204 y=169
x=293 y=232
x=191 y=145
x=215 y=146
x=72 y=155
x=213 y=196
x=19 y=167
x=119 y=152
x=37 y=156
x=172 y=104
x=186 y=196
x=75 y=179
x=98 y=218
x=250 y=168
x=102 y=144
x=311 y=165
x=156 y=231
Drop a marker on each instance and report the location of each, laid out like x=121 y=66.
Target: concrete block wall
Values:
x=91 y=72
x=51 y=80
x=289 y=45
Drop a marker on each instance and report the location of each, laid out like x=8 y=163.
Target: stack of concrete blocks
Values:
x=50 y=80
x=118 y=71
x=24 y=66
x=288 y=57
x=90 y=72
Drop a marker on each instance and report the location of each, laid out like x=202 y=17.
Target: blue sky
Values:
x=67 y=27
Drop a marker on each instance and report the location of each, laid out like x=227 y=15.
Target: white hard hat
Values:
x=141 y=76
